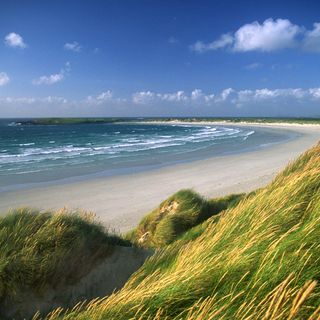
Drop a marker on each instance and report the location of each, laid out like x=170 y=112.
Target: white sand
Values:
x=122 y=201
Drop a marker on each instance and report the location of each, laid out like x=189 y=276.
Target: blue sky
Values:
x=159 y=58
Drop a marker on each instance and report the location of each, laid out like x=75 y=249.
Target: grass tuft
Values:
x=41 y=250
x=176 y=215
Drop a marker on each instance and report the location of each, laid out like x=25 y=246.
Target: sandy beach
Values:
x=121 y=201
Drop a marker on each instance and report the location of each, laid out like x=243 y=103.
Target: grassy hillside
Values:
x=260 y=260
x=179 y=213
x=41 y=250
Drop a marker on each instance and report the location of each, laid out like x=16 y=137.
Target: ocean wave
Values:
x=26 y=144
x=114 y=144
x=165 y=145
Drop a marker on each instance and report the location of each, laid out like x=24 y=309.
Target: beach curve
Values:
x=121 y=201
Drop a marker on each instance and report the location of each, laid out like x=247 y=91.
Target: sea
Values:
x=33 y=155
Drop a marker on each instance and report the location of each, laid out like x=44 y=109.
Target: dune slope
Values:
x=260 y=260
x=55 y=259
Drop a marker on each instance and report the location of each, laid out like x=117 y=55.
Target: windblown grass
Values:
x=40 y=250
x=179 y=213
x=260 y=260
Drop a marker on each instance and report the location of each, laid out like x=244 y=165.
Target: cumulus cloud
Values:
x=196 y=96
x=270 y=35
x=53 y=78
x=14 y=40
x=178 y=96
x=143 y=97
x=229 y=97
x=314 y=92
x=103 y=98
x=312 y=39
x=73 y=46
x=57 y=106
x=4 y=78
x=227 y=102
x=32 y=100
x=226 y=40
x=100 y=98
x=291 y=100
x=224 y=95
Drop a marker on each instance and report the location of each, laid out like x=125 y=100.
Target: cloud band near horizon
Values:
x=295 y=101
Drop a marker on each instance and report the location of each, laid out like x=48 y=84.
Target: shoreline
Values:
x=121 y=201
x=58 y=178
x=241 y=123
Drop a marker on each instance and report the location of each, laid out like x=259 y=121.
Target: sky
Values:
x=159 y=58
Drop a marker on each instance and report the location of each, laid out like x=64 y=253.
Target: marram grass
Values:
x=48 y=249
x=176 y=215
x=259 y=260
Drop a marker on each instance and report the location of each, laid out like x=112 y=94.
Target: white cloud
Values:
x=231 y=102
x=100 y=98
x=225 y=40
x=4 y=78
x=53 y=78
x=225 y=94
x=14 y=40
x=142 y=97
x=103 y=98
x=32 y=100
x=276 y=96
x=269 y=36
x=315 y=93
x=312 y=39
x=173 y=97
x=148 y=97
x=73 y=46
x=196 y=94
x=145 y=97
x=107 y=95
x=228 y=97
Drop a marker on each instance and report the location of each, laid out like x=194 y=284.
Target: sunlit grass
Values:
x=176 y=215
x=259 y=260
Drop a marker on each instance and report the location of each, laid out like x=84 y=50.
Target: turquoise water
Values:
x=31 y=154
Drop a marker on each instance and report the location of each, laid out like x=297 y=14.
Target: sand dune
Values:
x=108 y=276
